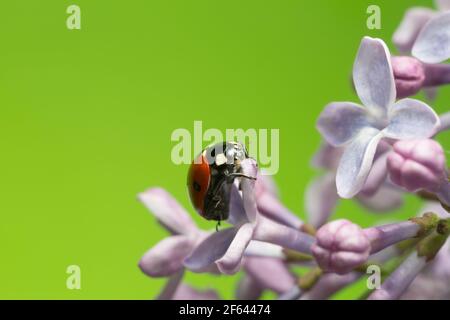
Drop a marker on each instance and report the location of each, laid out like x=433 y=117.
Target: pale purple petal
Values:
x=377 y=175
x=433 y=43
x=411 y=119
x=445 y=122
x=185 y=292
x=210 y=250
x=384 y=200
x=250 y=169
x=321 y=199
x=168 y=211
x=264 y=249
x=232 y=259
x=266 y=184
x=373 y=76
x=442 y=5
x=248 y=289
x=269 y=273
x=356 y=163
x=413 y=21
x=340 y=122
x=166 y=257
x=237 y=212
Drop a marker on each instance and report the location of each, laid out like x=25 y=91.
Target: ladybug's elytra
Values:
x=211 y=176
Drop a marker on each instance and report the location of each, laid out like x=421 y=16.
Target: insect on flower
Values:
x=211 y=176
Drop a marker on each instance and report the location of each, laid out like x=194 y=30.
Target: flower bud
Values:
x=417 y=164
x=409 y=74
x=341 y=246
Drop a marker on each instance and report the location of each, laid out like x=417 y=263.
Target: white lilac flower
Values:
x=166 y=257
x=433 y=42
x=360 y=128
x=321 y=196
x=424 y=33
x=227 y=247
x=413 y=22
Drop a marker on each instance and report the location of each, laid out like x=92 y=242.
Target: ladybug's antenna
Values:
x=217 y=226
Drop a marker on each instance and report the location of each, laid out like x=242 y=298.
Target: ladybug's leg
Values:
x=217 y=226
x=240 y=175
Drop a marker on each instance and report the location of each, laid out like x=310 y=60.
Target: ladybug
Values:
x=211 y=176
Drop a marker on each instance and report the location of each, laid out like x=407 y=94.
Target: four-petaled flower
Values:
x=360 y=128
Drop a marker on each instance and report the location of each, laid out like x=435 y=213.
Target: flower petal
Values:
x=377 y=175
x=442 y=5
x=340 y=122
x=210 y=250
x=168 y=211
x=433 y=43
x=384 y=200
x=411 y=119
x=231 y=261
x=166 y=257
x=321 y=199
x=237 y=212
x=373 y=76
x=250 y=169
x=413 y=21
x=356 y=162
x=266 y=184
x=272 y=274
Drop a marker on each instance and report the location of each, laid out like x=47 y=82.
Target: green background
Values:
x=86 y=119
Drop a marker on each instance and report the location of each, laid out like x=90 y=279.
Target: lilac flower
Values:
x=420 y=165
x=413 y=22
x=226 y=247
x=433 y=43
x=424 y=32
x=321 y=195
x=166 y=258
x=360 y=128
x=342 y=246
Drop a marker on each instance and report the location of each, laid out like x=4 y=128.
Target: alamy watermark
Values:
x=262 y=144
x=73 y=281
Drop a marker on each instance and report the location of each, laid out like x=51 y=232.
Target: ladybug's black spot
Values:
x=196 y=186
x=213 y=152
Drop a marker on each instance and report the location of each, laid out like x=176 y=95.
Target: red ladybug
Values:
x=211 y=176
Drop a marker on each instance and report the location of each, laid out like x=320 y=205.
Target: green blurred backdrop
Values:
x=86 y=118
